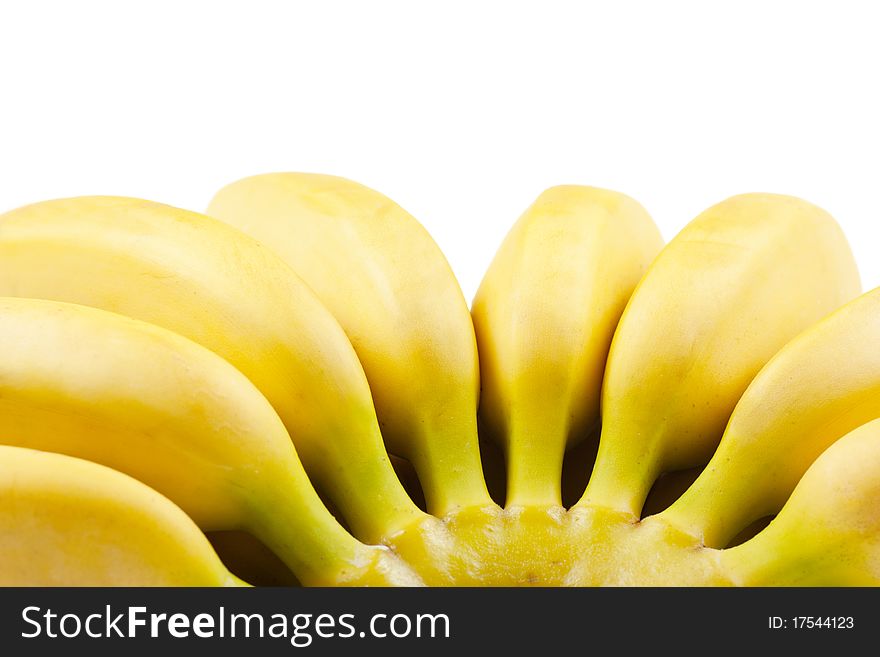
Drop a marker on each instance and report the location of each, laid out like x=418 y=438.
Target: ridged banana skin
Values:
x=219 y=287
x=383 y=277
x=69 y=522
x=722 y=297
x=828 y=533
x=161 y=408
x=544 y=316
x=820 y=386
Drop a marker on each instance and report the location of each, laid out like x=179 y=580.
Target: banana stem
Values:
x=534 y=469
x=757 y=562
x=368 y=493
x=449 y=468
x=620 y=484
x=715 y=510
x=298 y=528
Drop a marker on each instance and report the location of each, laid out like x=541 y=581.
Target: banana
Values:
x=828 y=533
x=215 y=285
x=544 y=316
x=217 y=353
x=722 y=297
x=69 y=522
x=820 y=386
x=159 y=407
x=383 y=277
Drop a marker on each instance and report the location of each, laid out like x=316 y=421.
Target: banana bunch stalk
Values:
x=299 y=366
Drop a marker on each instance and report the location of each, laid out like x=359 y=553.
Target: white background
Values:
x=461 y=111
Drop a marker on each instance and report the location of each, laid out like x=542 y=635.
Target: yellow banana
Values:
x=69 y=522
x=820 y=386
x=219 y=287
x=828 y=533
x=383 y=277
x=226 y=353
x=544 y=317
x=722 y=297
x=153 y=404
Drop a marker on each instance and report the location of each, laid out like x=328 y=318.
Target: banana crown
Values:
x=300 y=364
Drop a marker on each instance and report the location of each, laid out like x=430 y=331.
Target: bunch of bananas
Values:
x=299 y=365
